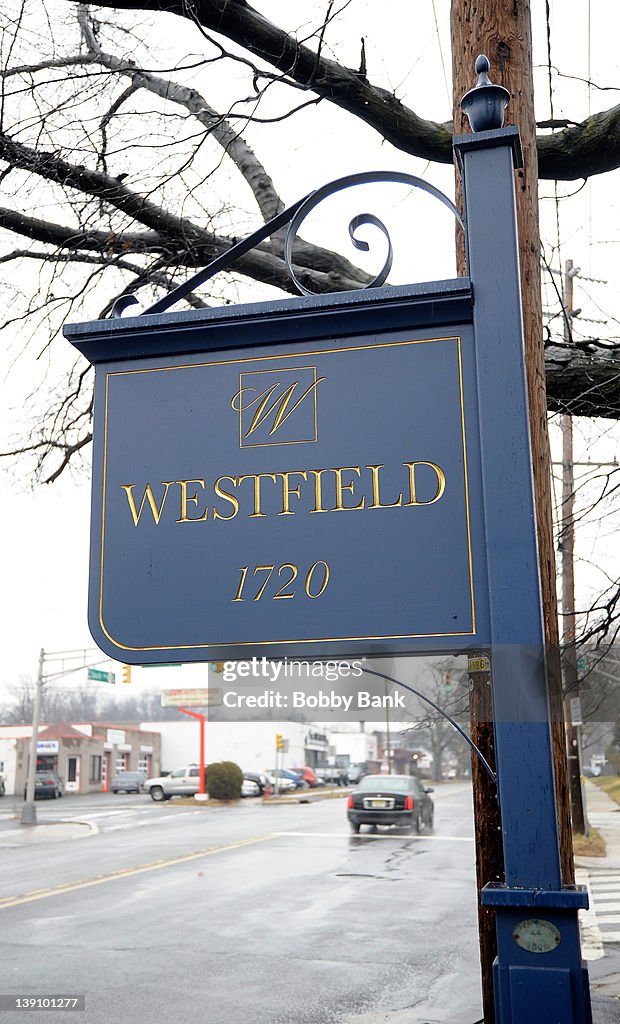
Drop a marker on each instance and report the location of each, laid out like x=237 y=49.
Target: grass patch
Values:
x=610 y=784
x=592 y=845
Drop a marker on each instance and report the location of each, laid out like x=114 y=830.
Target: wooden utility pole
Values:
x=489 y=849
x=501 y=29
x=567 y=547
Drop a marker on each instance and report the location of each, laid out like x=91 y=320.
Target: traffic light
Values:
x=448 y=681
x=216 y=666
x=279 y=741
x=126 y=673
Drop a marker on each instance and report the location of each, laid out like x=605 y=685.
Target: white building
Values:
x=251 y=745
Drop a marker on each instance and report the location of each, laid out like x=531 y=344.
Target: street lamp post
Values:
x=29 y=810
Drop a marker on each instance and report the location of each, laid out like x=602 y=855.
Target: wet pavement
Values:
x=326 y=889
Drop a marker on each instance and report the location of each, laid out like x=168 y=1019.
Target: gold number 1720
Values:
x=316 y=580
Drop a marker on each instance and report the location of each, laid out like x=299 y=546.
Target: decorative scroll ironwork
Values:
x=294 y=216
x=365 y=178
x=422 y=696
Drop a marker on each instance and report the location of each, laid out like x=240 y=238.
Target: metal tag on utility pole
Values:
x=576 y=716
x=480 y=664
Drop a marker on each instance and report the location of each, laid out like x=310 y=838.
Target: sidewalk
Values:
x=604 y=815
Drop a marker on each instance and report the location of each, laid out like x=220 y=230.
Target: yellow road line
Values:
x=56 y=890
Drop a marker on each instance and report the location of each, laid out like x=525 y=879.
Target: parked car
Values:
x=128 y=782
x=391 y=800
x=250 y=788
x=47 y=785
x=180 y=782
x=2 y=785
x=277 y=779
x=355 y=772
x=331 y=776
x=308 y=775
x=297 y=777
x=259 y=779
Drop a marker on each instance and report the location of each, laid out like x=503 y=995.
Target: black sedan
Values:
x=47 y=786
x=391 y=800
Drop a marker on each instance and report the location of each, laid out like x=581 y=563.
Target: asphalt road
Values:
x=255 y=913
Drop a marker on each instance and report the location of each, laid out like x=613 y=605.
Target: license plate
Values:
x=379 y=803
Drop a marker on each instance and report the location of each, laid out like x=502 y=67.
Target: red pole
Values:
x=202 y=754
x=202 y=719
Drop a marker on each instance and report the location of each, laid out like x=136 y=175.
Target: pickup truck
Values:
x=181 y=782
x=331 y=776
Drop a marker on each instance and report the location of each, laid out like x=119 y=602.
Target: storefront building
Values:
x=86 y=755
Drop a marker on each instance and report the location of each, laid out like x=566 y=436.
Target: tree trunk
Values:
x=501 y=29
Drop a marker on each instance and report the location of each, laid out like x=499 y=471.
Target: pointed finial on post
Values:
x=485 y=103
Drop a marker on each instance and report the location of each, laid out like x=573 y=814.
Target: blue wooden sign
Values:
x=314 y=497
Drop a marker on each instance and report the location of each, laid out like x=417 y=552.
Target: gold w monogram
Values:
x=271 y=403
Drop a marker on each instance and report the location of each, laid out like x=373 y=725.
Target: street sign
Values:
x=316 y=496
x=191 y=698
x=98 y=676
x=164 y=664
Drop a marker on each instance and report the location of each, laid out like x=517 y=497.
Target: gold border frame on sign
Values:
x=296 y=640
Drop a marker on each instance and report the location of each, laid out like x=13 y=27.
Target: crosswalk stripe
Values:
x=598 y=924
x=591 y=939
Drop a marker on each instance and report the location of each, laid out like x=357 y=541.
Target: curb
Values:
x=28 y=835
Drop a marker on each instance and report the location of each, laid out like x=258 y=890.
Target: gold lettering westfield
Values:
x=415 y=484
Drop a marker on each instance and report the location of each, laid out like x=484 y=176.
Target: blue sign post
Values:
x=538 y=974
x=351 y=475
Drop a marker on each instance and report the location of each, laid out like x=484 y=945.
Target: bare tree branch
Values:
x=591 y=147
x=174 y=233
x=234 y=146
